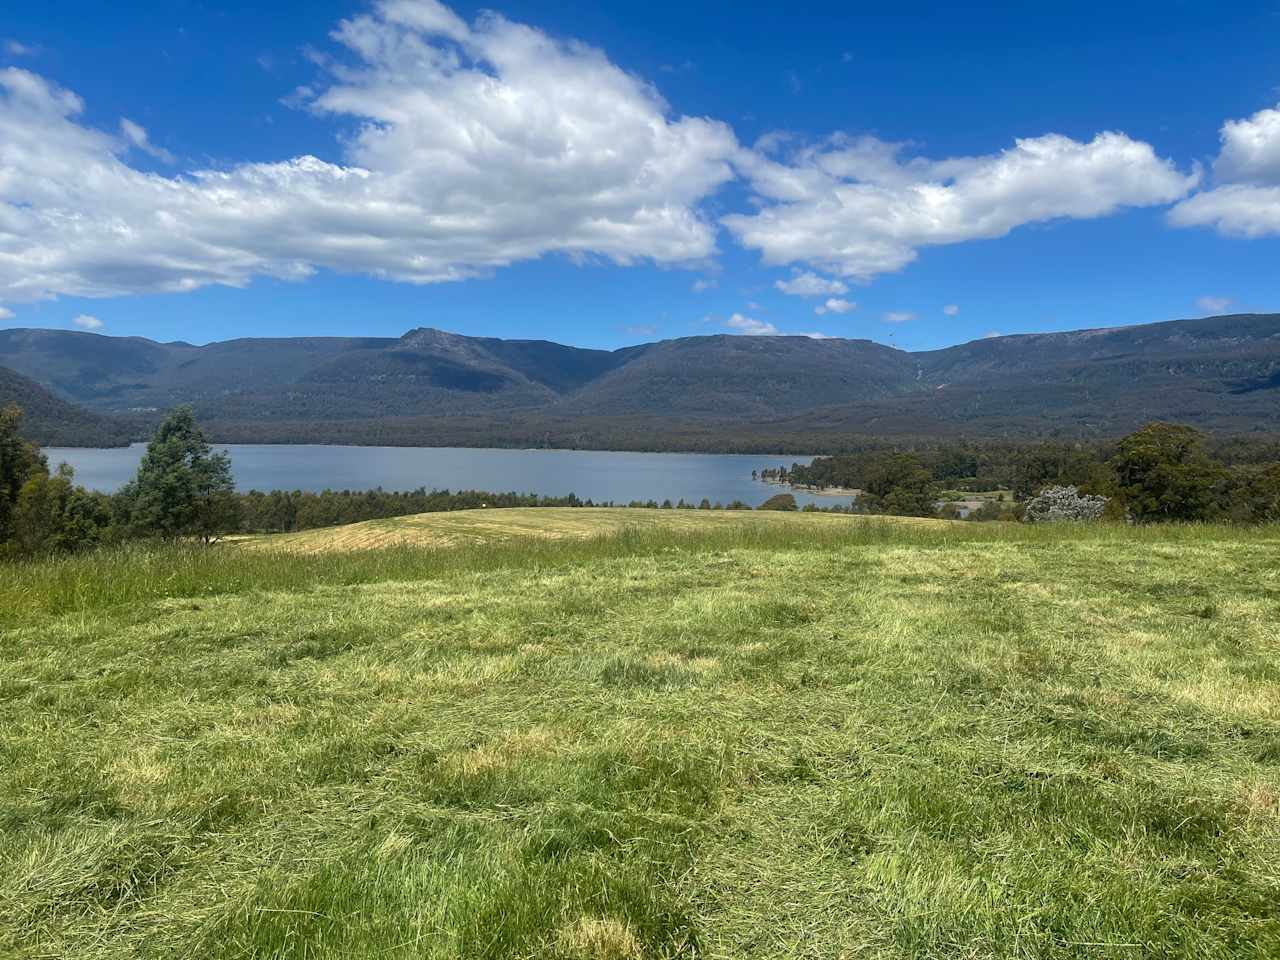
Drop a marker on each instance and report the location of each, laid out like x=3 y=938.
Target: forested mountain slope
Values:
x=1221 y=373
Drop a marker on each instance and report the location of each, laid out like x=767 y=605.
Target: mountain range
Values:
x=709 y=392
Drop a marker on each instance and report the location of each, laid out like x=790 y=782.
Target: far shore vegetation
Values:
x=184 y=489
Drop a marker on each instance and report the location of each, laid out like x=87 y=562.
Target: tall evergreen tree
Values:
x=183 y=488
x=1163 y=473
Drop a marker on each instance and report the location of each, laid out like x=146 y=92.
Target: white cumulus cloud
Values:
x=1251 y=149
x=1236 y=209
x=1245 y=200
x=476 y=146
x=836 y=305
x=951 y=310
x=6 y=314
x=899 y=316
x=469 y=145
x=87 y=322
x=809 y=284
x=752 y=327
x=856 y=209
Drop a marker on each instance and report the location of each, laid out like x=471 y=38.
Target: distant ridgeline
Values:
x=55 y=422
x=715 y=393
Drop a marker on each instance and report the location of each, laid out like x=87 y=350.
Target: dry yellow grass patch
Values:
x=1260 y=800
x=594 y=938
x=463 y=527
x=505 y=752
x=701 y=664
x=138 y=772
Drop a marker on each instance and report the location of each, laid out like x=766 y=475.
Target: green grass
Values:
x=810 y=736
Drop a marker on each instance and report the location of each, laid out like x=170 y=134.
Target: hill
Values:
x=475 y=527
x=718 y=392
x=825 y=738
x=52 y=421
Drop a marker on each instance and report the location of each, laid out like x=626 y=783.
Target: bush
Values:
x=780 y=501
x=989 y=510
x=1064 y=504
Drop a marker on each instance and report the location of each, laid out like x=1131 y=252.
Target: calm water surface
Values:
x=595 y=475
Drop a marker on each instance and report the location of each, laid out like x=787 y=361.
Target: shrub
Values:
x=1064 y=504
x=988 y=510
x=780 y=501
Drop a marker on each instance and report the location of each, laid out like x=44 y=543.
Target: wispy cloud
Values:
x=1214 y=304
x=951 y=310
x=809 y=284
x=6 y=314
x=137 y=135
x=87 y=322
x=899 y=316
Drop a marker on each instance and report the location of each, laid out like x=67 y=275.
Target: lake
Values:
x=591 y=474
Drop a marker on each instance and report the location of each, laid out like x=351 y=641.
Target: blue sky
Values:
x=519 y=176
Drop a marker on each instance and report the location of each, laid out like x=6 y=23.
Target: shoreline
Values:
x=815 y=491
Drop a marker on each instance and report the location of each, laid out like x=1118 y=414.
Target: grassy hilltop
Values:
x=753 y=736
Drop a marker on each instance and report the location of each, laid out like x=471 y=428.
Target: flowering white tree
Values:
x=1064 y=504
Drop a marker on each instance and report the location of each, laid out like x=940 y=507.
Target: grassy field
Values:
x=467 y=527
x=699 y=735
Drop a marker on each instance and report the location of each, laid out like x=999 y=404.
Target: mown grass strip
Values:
x=138 y=573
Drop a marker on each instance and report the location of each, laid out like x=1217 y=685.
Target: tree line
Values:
x=1163 y=472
